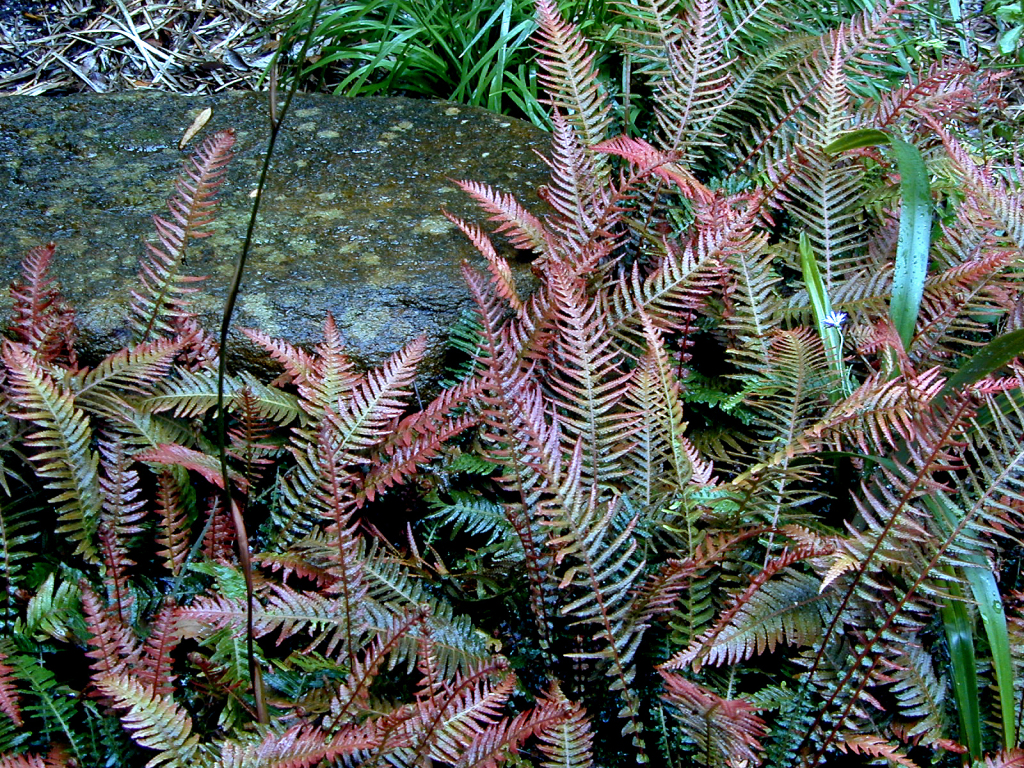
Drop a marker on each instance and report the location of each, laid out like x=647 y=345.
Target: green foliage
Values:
x=475 y=52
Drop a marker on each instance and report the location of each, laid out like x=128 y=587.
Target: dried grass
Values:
x=184 y=46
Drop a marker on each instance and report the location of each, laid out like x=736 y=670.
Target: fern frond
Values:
x=10 y=703
x=404 y=461
x=497 y=265
x=135 y=369
x=571 y=79
x=155 y=663
x=352 y=698
x=301 y=746
x=523 y=230
x=188 y=458
x=63 y=435
x=114 y=645
x=42 y=320
x=864 y=744
x=154 y=721
x=921 y=694
x=1005 y=202
x=46 y=700
x=121 y=515
x=723 y=729
x=568 y=743
x=689 y=69
x=22 y=761
x=164 y=289
x=755 y=307
x=17 y=532
x=192 y=393
x=589 y=536
x=173 y=536
x=587 y=380
x=768 y=612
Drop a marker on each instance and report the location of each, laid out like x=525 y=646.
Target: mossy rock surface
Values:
x=351 y=222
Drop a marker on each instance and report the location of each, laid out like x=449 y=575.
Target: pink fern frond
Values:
x=164 y=289
x=10 y=703
x=501 y=273
x=522 y=228
x=172 y=454
x=42 y=320
x=155 y=669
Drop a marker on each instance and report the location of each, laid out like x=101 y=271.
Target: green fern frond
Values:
x=787 y=609
x=192 y=393
x=17 y=533
x=63 y=434
x=52 y=612
x=154 y=721
x=50 y=704
x=921 y=694
x=469 y=513
x=569 y=742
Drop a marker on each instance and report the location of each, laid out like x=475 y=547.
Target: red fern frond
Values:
x=42 y=320
x=724 y=729
x=523 y=230
x=155 y=668
x=570 y=77
x=501 y=273
x=174 y=534
x=301 y=746
x=219 y=545
x=171 y=454
x=874 y=746
x=10 y=704
x=114 y=646
x=164 y=289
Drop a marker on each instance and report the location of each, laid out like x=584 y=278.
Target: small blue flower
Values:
x=835 y=320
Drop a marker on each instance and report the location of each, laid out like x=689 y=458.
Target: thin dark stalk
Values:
x=276 y=121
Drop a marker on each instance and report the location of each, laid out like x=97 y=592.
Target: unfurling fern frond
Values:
x=163 y=287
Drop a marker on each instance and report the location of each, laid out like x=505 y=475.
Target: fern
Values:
x=155 y=722
x=163 y=288
x=722 y=729
x=63 y=435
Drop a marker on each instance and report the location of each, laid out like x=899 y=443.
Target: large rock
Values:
x=351 y=222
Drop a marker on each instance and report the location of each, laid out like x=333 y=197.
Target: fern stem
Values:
x=229 y=308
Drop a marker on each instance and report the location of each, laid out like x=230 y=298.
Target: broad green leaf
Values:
x=822 y=306
x=963 y=669
x=988 y=359
x=915 y=224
